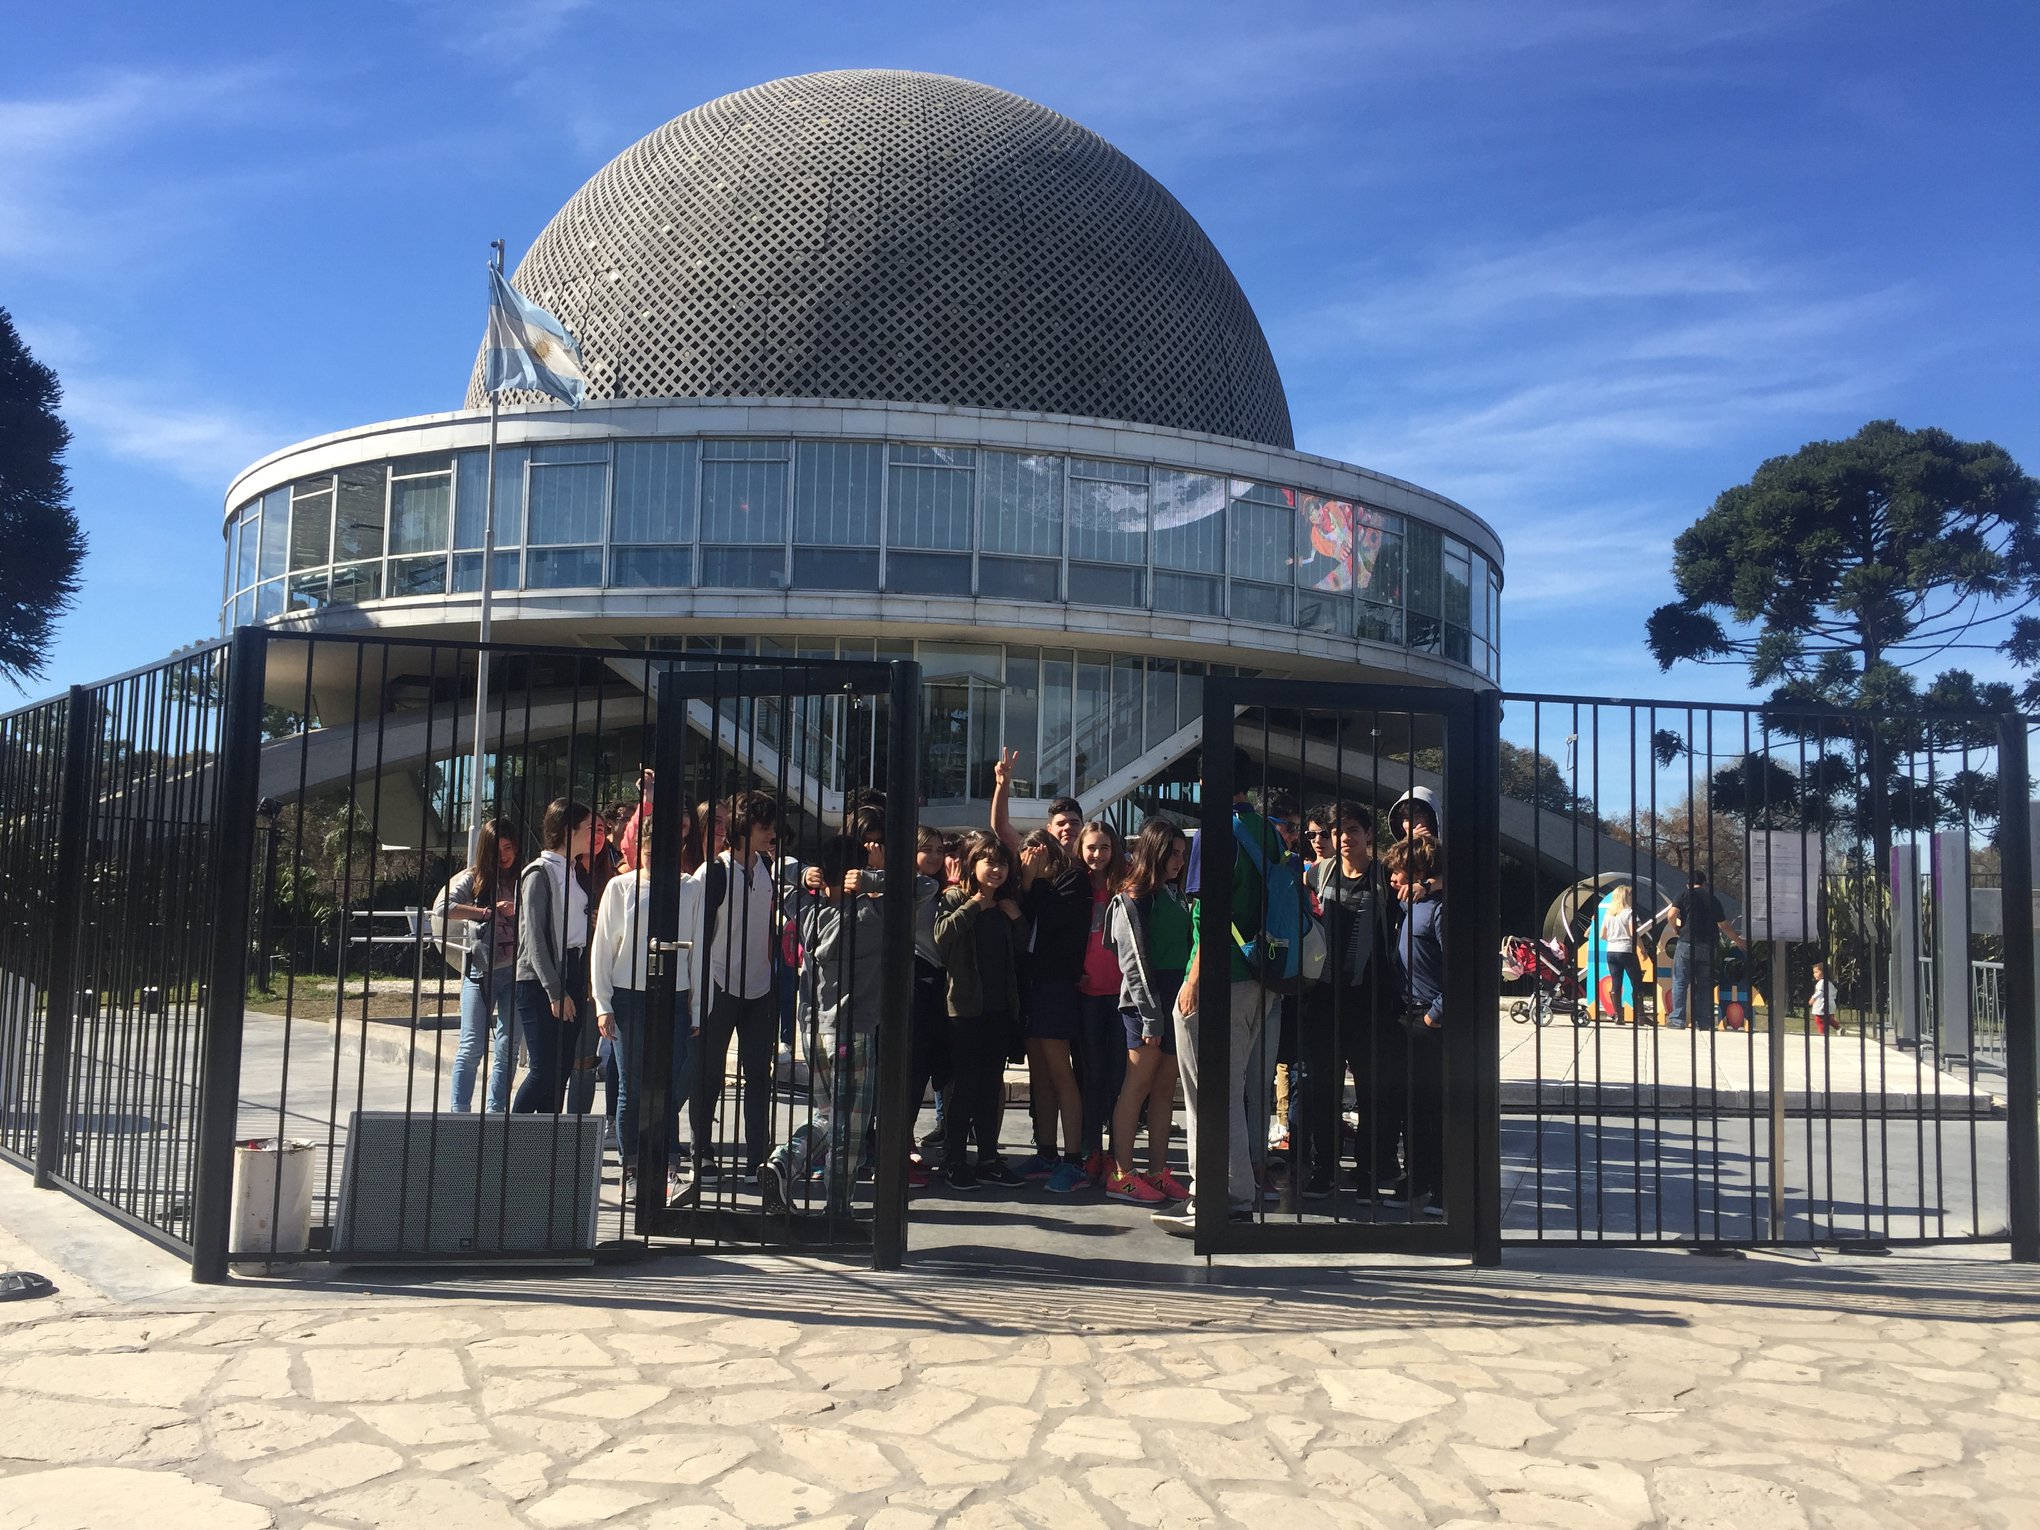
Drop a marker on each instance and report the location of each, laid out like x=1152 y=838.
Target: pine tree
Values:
x=41 y=546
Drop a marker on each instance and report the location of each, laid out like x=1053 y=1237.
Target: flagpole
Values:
x=488 y=594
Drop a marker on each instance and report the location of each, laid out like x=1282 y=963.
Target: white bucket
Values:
x=264 y=1220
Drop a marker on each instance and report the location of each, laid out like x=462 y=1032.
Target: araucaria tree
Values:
x=1835 y=572
x=41 y=546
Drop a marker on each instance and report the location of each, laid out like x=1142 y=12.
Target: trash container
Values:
x=272 y=1199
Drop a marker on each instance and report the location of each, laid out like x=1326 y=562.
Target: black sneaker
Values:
x=933 y=1139
x=996 y=1171
x=772 y=1189
x=960 y=1176
x=1318 y=1187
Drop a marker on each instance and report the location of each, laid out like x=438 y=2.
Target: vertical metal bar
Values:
x=233 y=852
x=1476 y=934
x=896 y=1111
x=2022 y=1065
x=73 y=821
x=1215 y=1084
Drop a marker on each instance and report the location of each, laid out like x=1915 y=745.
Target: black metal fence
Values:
x=229 y=1016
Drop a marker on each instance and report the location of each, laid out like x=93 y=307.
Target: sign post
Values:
x=1784 y=906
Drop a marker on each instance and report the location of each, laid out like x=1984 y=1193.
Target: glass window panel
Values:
x=1458 y=605
x=1189 y=594
x=1380 y=520
x=1190 y=694
x=571 y=451
x=945 y=742
x=743 y=494
x=917 y=573
x=566 y=503
x=421 y=510
x=950 y=660
x=1108 y=514
x=244 y=608
x=307 y=592
x=1318 y=611
x=1426 y=554
x=1023 y=505
x=1261 y=533
x=929 y=506
x=1023 y=715
x=834 y=568
x=418 y=576
x=275 y=556
x=358 y=515
x=1018 y=578
x=1189 y=511
x=1377 y=566
x=1324 y=556
x=269 y=600
x=652 y=567
x=471 y=497
x=1092 y=584
x=1126 y=710
x=311 y=524
x=356 y=582
x=1159 y=717
x=562 y=568
x=1058 y=673
x=1458 y=647
x=1379 y=624
x=1481 y=597
x=655 y=491
x=1093 y=726
x=1260 y=603
x=467 y=571
x=233 y=541
x=743 y=568
x=836 y=494
x=246 y=545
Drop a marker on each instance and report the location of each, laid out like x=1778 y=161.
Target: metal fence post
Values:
x=67 y=911
x=1482 y=913
x=895 y=1060
x=1212 y=909
x=233 y=858
x=2022 y=1044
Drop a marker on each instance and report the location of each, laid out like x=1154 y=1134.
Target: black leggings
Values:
x=1620 y=962
x=977 y=1086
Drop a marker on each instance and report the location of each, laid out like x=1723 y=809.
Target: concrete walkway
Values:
x=1611 y=1389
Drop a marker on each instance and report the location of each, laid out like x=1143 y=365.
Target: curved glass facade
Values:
x=777 y=514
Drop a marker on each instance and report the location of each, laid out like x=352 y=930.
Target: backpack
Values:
x=450 y=937
x=1291 y=949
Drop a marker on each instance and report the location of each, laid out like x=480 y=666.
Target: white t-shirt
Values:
x=570 y=894
x=1824 y=997
x=740 y=955
x=1618 y=930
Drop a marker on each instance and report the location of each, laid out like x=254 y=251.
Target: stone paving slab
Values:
x=1577 y=1389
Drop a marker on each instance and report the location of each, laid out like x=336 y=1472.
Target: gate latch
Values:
x=655 y=965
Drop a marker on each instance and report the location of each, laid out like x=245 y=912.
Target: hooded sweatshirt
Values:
x=1398 y=815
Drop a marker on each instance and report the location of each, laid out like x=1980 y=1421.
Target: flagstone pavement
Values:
x=1568 y=1389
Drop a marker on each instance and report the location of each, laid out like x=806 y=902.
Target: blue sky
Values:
x=1581 y=266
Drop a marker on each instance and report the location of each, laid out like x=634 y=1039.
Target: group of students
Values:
x=1069 y=948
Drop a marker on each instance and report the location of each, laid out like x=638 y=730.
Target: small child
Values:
x=1821 y=1006
x=842 y=935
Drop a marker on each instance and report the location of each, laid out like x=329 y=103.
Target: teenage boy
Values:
x=842 y=936
x=1420 y=964
x=740 y=904
x=1065 y=814
x=1213 y=933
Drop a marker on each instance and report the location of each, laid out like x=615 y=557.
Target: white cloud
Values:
x=203 y=444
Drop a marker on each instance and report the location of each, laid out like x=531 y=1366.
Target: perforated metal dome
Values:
x=886 y=235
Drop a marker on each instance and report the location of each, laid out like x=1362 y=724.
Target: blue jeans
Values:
x=1689 y=973
x=630 y=1069
x=1101 y=1063
x=478 y=995
x=548 y=1051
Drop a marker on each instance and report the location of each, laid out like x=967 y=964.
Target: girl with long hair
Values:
x=1101 y=1064
x=1618 y=943
x=980 y=936
x=552 y=968
x=485 y=895
x=1054 y=900
x=1148 y=930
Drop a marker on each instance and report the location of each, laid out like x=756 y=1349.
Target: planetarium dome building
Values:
x=884 y=363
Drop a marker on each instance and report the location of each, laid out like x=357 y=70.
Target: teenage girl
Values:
x=1618 y=943
x=1148 y=926
x=1101 y=1065
x=553 y=927
x=980 y=937
x=1055 y=896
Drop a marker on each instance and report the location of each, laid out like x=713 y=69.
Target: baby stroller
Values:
x=1558 y=980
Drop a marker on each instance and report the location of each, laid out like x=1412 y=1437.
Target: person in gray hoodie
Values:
x=553 y=926
x=842 y=938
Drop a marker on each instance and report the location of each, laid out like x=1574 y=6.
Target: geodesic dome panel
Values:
x=886 y=235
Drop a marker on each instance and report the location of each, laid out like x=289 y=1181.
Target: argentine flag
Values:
x=529 y=349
